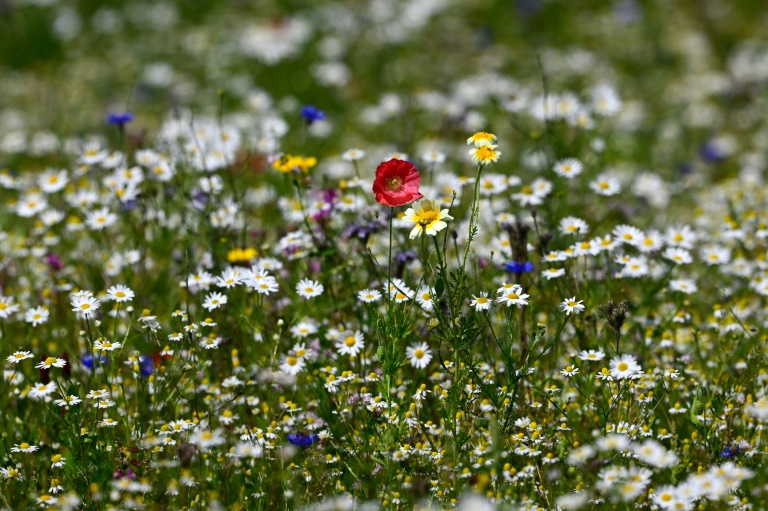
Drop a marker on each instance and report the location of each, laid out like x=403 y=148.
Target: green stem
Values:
x=473 y=216
x=389 y=266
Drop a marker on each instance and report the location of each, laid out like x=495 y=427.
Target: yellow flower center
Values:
x=482 y=135
x=120 y=294
x=24 y=445
x=350 y=341
x=292 y=361
x=427 y=217
x=48 y=361
x=513 y=296
x=485 y=153
x=419 y=353
x=623 y=366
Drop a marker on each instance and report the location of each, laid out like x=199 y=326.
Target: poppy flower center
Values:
x=394 y=184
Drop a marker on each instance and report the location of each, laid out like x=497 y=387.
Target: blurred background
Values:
x=690 y=73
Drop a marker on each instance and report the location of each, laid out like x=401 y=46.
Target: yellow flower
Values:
x=485 y=154
x=481 y=138
x=241 y=255
x=428 y=218
x=288 y=163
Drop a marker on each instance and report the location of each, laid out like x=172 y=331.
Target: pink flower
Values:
x=397 y=183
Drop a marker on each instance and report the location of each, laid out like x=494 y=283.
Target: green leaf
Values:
x=440 y=287
x=694 y=407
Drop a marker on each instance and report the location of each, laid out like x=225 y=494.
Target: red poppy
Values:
x=397 y=183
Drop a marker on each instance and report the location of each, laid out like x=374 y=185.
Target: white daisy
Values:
x=309 y=288
x=419 y=355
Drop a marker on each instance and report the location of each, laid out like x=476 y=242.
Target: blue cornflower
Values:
x=87 y=361
x=312 y=113
x=145 y=365
x=120 y=119
x=711 y=153
x=730 y=453
x=303 y=440
x=519 y=268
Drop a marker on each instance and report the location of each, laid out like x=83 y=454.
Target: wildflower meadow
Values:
x=383 y=255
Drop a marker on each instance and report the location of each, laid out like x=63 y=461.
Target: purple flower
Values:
x=405 y=256
x=330 y=195
x=363 y=230
x=119 y=119
x=711 y=153
x=312 y=113
x=127 y=473
x=54 y=262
